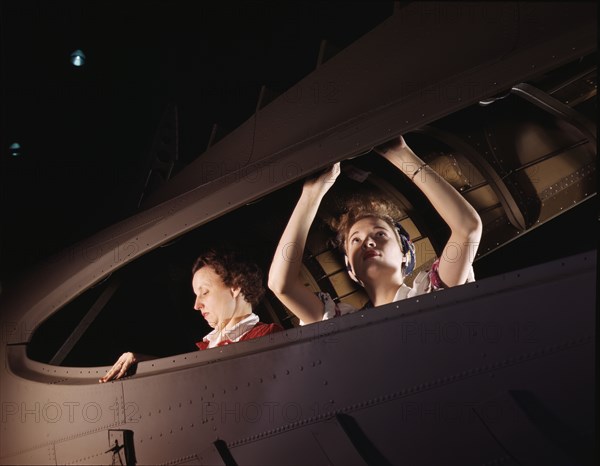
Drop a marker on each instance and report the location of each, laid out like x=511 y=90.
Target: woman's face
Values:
x=373 y=249
x=216 y=301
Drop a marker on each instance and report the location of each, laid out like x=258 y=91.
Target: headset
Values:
x=408 y=255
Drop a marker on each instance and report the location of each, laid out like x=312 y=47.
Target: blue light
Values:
x=78 y=58
x=15 y=149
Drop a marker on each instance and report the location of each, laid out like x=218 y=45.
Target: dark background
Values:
x=85 y=133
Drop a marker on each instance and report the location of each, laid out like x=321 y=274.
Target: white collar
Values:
x=232 y=334
x=402 y=292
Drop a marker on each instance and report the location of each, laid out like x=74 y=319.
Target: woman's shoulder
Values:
x=261 y=329
x=333 y=309
x=429 y=280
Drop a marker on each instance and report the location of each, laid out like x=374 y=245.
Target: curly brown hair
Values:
x=358 y=208
x=235 y=271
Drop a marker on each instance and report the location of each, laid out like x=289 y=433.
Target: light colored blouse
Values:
x=425 y=282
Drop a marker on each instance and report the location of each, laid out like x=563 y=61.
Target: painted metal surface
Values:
x=458 y=370
x=470 y=374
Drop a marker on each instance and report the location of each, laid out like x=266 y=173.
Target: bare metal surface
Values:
x=554 y=106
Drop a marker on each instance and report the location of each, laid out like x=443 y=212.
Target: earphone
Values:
x=408 y=248
x=351 y=272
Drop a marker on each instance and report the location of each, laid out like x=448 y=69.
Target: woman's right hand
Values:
x=120 y=367
x=284 y=276
x=319 y=185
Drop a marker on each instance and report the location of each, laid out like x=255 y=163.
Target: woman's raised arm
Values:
x=284 y=275
x=463 y=220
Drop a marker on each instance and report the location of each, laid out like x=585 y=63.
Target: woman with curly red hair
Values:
x=226 y=288
x=377 y=250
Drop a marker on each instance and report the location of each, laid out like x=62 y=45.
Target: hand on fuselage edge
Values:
x=119 y=369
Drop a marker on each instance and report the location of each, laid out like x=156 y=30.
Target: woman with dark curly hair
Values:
x=226 y=288
x=377 y=250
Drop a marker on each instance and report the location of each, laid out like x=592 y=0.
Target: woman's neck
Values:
x=240 y=314
x=383 y=291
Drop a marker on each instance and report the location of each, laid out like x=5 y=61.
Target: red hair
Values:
x=357 y=209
